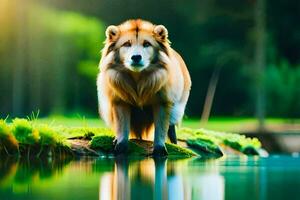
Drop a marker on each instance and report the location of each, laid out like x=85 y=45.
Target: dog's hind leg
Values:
x=172 y=134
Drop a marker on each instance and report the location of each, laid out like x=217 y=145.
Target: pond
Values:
x=274 y=177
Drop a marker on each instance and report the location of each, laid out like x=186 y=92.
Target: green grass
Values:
x=224 y=124
x=4 y=129
x=230 y=124
x=58 y=121
x=30 y=138
x=24 y=132
x=8 y=141
x=48 y=136
x=42 y=136
x=136 y=148
x=209 y=141
x=214 y=132
x=104 y=143
x=175 y=150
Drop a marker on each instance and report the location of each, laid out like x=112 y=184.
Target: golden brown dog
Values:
x=142 y=82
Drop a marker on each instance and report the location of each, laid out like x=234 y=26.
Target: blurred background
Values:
x=243 y=57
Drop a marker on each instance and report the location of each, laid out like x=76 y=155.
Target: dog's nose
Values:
x=136 y=58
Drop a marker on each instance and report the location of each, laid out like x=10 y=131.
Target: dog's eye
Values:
x=127 y=44
x=146 y=44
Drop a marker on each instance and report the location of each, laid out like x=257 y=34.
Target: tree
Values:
x=19 y=67
x=260 y=60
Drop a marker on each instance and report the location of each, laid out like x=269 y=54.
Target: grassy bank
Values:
x=65 y=137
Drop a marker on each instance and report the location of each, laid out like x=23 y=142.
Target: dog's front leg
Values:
x=161 y=123
x=121 y=119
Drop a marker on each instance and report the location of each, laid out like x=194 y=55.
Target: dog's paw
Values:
x=121 y=147
x=160 y=151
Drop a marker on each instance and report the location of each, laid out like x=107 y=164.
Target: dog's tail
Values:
x=172 y=134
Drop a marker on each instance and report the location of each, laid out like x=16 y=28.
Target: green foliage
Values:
x=136 y=148
x=206 y=148
x=24 y=131
x=64 y=52
x=241 y=142
x=8 y=142
x=48 y=136
x=83 y=35
x=175 y=150
x=52 y=137
x=283 y=91
x=250 y=150
x=188 y=133
x=4 y=130
x=43 y=138
x=84 y=131
x=103 y=142
x=37 y=137
x=209 y=140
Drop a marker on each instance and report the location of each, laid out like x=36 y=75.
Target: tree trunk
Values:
x=59 y=84
x=19 y=67
x=210 y=95
x=35 y=68
x=260 y=60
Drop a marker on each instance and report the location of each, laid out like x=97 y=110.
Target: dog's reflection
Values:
x=146 y=179
x=158 y=179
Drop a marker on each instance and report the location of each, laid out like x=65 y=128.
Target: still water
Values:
x=275 y=177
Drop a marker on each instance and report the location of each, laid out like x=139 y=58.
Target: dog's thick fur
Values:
x=134 y=99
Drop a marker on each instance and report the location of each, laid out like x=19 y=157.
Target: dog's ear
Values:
x=161 y=33
x=112 y=33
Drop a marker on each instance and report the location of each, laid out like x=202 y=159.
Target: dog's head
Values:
x=136 y=44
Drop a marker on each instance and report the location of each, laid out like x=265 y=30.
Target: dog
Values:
x=142 y=83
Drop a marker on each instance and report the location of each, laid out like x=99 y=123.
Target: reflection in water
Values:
x=244 y=178
x=155 y=179
x=24 y=171
x=16 y=175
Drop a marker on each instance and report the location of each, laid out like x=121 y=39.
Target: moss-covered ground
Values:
x=25 y=138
